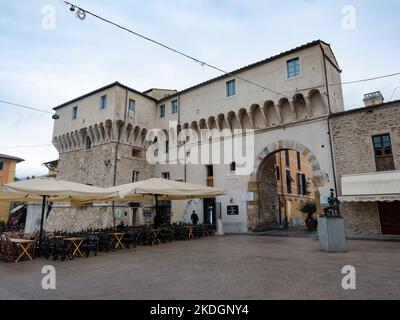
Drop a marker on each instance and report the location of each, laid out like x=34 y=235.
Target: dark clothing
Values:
x=195 y=218
x=158 y=221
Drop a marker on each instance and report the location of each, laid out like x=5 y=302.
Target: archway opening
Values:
x=285 y=180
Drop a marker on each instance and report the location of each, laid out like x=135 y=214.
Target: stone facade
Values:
x=353 y=151
x=294 y=120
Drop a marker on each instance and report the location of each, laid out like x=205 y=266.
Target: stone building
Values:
x=104 y=136
x=367 y=162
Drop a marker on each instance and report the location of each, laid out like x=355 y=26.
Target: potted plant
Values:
x=309 y=208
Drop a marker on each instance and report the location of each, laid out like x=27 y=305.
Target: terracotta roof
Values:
x=4 y=156
x=365 y=109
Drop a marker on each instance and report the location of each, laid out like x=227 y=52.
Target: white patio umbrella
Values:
x=162 y=189
x=47 y=189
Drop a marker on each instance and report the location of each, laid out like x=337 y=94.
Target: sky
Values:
x=44 y=67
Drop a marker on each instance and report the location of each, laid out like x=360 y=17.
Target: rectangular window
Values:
x=231 y=88
x=103 y=102
x=233 y=166
x=287 y=158
x=167 y=147
x=293 y=68
x=298 y=161
x=1 y=165
x=299 y=186
x=74 y=113
x=210 y=171
x=288 y=182
x=278 y=173
x=383 y=152
x=174 y=107
x=304 y=184
x=165 y=175
x=135 y=176
x=132 y=105
x=162 y=111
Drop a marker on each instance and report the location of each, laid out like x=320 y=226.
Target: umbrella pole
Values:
x=156 y=197
x=42 y=224
x=113 y=212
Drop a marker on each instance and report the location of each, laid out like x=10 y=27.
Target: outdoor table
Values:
x=190 y=232
x=118 y=238
x=24 y=245
x=77 y=242
x=155 y=236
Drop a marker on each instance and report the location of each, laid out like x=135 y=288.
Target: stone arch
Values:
x=273 y=117
x=288 y=115
x=318 y=106
x=255 y=217
x=258 y=117
x=245 y=120
x=234 y=123
x=301 y=107
x=212 y=123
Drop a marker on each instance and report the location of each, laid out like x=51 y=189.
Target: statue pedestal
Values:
x=332 y=234
x=220 y=228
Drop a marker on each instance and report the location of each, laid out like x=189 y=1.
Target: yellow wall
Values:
x=6 y=176
x=293 y=200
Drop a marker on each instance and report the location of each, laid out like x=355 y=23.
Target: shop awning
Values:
x=371 y=187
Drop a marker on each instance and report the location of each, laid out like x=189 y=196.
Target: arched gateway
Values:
x=263 y=212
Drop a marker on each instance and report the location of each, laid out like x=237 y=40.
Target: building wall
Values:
x=7 y=175
x=354 y=154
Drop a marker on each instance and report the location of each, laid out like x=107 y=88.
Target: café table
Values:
x=24 y=245
x=77 y=243
x=118 y=239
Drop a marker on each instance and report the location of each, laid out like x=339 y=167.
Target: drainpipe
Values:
x=329 y=121
x=116 y=153
x=179 y=123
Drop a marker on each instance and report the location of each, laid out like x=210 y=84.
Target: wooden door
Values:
x=390 y=217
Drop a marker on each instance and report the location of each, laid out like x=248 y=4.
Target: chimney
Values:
x=373 y=99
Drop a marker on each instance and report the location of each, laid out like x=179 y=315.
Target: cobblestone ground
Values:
x=230 y=267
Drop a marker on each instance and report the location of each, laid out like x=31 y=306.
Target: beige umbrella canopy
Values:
x=55 y=190
x=46 y=189
x=164 y=190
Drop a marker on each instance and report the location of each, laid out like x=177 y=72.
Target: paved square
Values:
x=230 y=267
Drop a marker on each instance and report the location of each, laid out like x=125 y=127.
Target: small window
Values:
x=88 y=144
x=167 y=147
x=1 y=165
x=74 y=113
x=162 y=111
x=298 y=161
x=174 y=107
x=299 y=185
x=210 y=171
x=137 y=153
x=287 y=158
x=103 y=102
x=231 y=88
x=288 y=182
x=135 y=176
x=293 y=68
x=304 y=185
x=233 y=166
x=132 y=105
x=165 y=175
x=383 y=152
x=278 y=173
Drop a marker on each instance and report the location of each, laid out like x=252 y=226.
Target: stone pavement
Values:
x=230 y=267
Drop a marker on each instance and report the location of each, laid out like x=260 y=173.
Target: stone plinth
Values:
x=332 y=234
